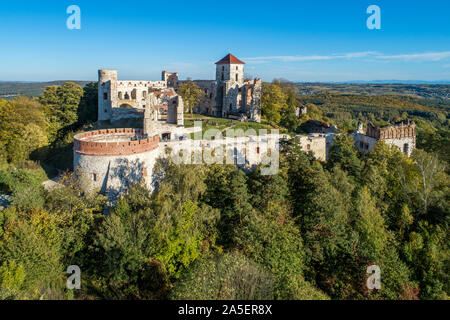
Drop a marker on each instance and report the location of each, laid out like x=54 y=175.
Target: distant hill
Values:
x=9 y=89
x=395 y=82
x=438 y=92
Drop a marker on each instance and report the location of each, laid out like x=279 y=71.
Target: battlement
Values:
x=114 y=142
x=403 y=129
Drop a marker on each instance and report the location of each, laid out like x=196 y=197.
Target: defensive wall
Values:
x=112 y=142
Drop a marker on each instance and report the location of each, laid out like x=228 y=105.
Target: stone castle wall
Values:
x=113 y=175
x=96 y=142
x=315 y=144
x=229 y=95
x=111 y=160
x=402 y=135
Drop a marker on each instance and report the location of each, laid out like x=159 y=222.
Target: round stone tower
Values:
x=107 y=93
x=111 y=160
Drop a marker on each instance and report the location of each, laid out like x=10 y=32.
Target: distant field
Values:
x=9 y=90
x=425 y=91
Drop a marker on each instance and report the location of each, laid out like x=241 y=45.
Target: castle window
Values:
x=231 y=106
x=237 y=77
x=237 y=68
x=143 y=106
x=308 y=147
x=94 y=177
x=257 y=150
x=105 y=96
x=222 y=76
x=165 y=137
x=405 y=148
x=223 y=68
x=106 y=111
x=144 y=94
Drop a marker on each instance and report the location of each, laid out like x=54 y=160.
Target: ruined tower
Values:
x=230 y=79
x=107 y=93
x=150 y=119
x=231 y=69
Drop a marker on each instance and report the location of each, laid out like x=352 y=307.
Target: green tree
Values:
x=427 y=252
x=124 y=249
x=272 y=102
x=432 y=179
x=33 y=244
x=288 y=114
x=229 y=276
x=227 y=191
x=87 y=111
x=61 y=105
x=11 y=280
x=22 y=128
x=343 y=152
x=147 y=242
x=191 y=94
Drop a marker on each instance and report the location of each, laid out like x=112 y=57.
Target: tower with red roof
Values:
x=230 y=68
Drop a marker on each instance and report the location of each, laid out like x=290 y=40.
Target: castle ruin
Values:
x=111 y=160
x=402 y=135
x=229 y=96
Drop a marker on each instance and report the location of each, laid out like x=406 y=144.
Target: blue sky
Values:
x=298 y=40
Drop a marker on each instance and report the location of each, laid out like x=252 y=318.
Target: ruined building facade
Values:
x=230 y=95
x=131 y=99
x=401 y=134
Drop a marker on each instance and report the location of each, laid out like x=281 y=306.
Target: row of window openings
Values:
x=223 y=68
x=223 y=77
x=127 y=96
x=364 y=146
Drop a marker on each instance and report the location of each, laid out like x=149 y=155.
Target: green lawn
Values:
x=222 y=123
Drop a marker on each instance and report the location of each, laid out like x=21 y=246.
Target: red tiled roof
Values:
x=229 y=58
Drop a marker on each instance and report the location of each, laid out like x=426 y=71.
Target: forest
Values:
x=214 y=232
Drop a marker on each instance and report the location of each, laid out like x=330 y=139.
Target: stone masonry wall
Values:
x=83 y=144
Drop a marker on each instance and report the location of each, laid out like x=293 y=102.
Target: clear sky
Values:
x=320 y=40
